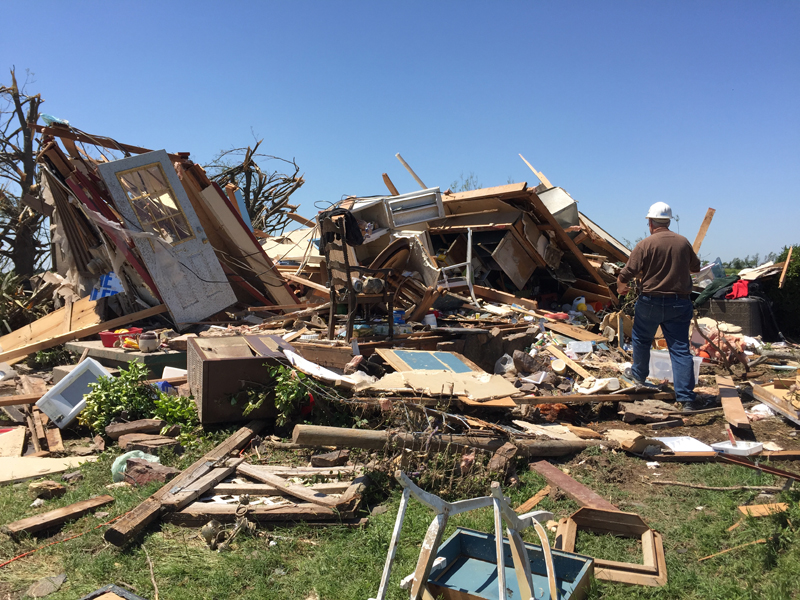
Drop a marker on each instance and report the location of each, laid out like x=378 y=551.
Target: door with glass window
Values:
x=182 y=263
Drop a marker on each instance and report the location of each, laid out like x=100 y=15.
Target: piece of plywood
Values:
x=13 y=469
x=577 y=491
x=12 y=441
x=514 y=260
x=773 y=398
x=731 y=404
x=78 y=334
x=701 y=234
x=500 y=191
x=56 y=517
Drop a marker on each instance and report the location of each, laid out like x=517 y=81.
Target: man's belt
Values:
x=672 y=296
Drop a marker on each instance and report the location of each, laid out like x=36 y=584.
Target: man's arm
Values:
x=694 y=262
x=629 y=271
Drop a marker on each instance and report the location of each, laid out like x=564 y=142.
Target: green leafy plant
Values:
x=289 y=391
x=47 y=359
x=130 y=397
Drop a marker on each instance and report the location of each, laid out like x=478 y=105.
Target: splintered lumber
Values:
x=200 y=486
x=200 y=513
x=315 y=435
x=785 y=267
x=294 y=490
x=568 y=361
x=761 y=541
x=533 y=501
x=81 y=333
x=56 y=517
x=731 y=404
x=701 y=234
x=264 y=489
x=577 y=491
x=576 y=333
x=140 y=517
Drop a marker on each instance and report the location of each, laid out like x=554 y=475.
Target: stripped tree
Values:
x=23 y=231
x=266 y=193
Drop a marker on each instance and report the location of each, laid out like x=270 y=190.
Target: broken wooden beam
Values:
x=56 y=517
x=590 y=398
x=115 y=430
x=574 y=490
x=140 y=517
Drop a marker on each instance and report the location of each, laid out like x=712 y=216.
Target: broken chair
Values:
x=348 y=282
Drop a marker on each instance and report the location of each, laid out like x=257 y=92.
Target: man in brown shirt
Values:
x=663 y=262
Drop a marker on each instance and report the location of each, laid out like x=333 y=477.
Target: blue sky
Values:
x=622 y=104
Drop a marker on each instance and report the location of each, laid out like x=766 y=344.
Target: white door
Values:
x=152 y=201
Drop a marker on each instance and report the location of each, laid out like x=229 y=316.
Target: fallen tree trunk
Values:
x=314 y=435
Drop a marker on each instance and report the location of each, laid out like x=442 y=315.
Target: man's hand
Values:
x=622 y=287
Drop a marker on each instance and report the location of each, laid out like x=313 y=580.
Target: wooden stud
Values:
x=785 y=267
x=56 y=517
x=701 y=234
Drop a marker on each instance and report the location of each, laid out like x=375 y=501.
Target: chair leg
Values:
x=351 y=317
x=331 y=315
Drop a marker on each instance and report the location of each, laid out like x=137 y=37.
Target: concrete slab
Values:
x=118 y=358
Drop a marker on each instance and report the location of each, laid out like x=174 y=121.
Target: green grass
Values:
x=340 y=563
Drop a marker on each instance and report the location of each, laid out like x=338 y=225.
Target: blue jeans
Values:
x=674 y=315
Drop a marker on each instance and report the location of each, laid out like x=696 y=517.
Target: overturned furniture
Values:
x=472 y=565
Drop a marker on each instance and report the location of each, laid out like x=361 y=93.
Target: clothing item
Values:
x=711 y=290
x=353 y=233
x=739 y=290
x=664 y=262
x=673 y=315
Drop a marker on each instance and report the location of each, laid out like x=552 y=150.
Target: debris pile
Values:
x=474 y=324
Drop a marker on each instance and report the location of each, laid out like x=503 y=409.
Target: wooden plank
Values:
x=577 y=491
x=84 y=313
x=297 y=491
x=36 y=415
x=12 y=443
x=56 y=517
x=19 y=399
x=145 y=513
x=307 y=282
x=701 y=234
x=731 y=404
x=785 y=267
x=389 y=185
x=495 y=403
x=533 y=501
x=200 y=513
x=500 y=191
x=99 y=140
x=316 y=472
x=200 y=486
x=281 y=307
x=763 y=510
x=81 y=333
x=765 y=395
x=568 y=361
x=265 y=489
x=503 y=297
x=714 y=456
x=576 y=333
x=301 y=220
x=54 y=441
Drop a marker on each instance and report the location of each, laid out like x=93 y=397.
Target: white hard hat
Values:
x=659 y=210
